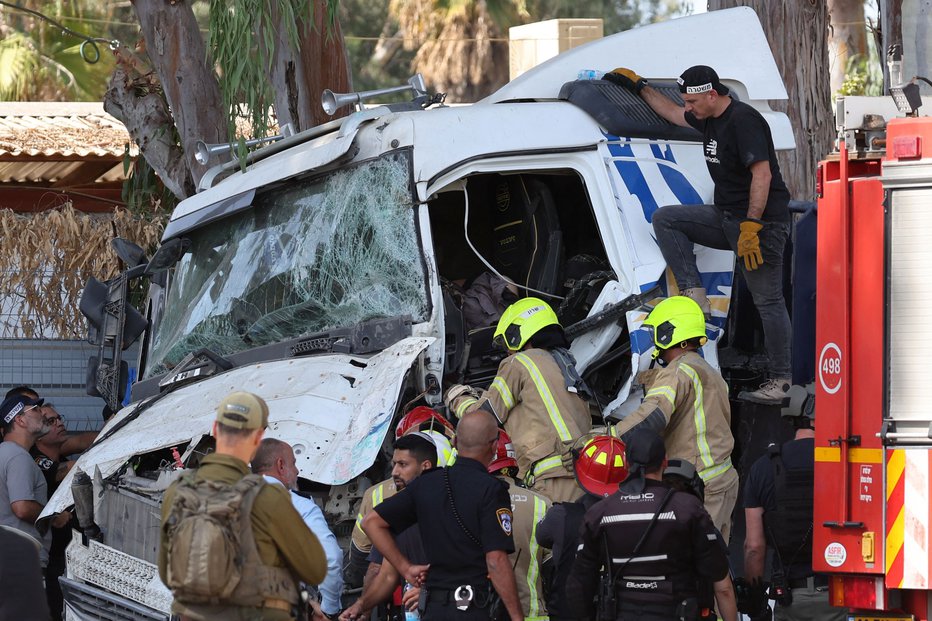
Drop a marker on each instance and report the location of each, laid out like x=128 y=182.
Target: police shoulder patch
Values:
x=504 y=520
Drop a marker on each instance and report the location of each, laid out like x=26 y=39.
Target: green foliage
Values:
x=242 y=31
x=41 y=63
x=18 y=63
x=143 y=193
x=862 y=77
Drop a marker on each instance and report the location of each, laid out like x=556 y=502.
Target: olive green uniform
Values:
x=371 y=498
x=528 y=509
x=529 y=397
x=687 y=403
x=282 y=540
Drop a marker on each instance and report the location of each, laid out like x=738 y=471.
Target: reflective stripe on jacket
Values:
x=528 y=508
x=687 y=403
x=372 y=497
x=529 y=397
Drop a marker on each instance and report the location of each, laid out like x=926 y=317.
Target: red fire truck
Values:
x=871 y=527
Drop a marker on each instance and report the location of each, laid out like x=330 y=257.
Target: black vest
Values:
x=789 y=525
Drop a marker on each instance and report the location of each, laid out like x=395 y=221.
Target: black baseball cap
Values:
x=15 y=405
x=701 y=79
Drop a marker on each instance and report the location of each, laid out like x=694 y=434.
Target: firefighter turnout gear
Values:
x=528 y=509
x=371 y=498
x=687 y=403
x=656 y=580
x=529 y=397
x=600 y=465
x=279 y=551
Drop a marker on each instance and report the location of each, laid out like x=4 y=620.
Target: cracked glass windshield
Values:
x=310 y=256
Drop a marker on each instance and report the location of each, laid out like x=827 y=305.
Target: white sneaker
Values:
x=698 y=295
x=771 y=392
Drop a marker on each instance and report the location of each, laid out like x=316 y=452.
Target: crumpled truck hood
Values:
x=333 y=409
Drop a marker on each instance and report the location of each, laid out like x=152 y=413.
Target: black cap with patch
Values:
x=700 y=79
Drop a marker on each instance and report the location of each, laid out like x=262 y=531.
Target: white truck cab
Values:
x=329 y=277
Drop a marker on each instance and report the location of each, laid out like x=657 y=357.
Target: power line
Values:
x=88 y=43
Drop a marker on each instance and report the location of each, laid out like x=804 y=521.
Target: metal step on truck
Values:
x=329 y=277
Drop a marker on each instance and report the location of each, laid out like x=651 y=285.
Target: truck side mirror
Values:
x=131 y=254
x=167 y=255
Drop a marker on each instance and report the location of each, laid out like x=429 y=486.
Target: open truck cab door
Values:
x=330 y=276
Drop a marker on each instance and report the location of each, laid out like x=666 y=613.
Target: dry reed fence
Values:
x=47 y=257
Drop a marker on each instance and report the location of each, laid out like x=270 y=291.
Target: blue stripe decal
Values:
x=632 y=177
x=676 y=181
x=641 y=342
x=714 y=281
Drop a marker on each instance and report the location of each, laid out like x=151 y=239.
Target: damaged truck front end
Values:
x=354 y=271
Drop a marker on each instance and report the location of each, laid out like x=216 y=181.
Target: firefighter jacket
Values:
x=282 y=539
x=371 y=498
x=686 y=402
x=528 y=509
x=681 y=547
x=530 y=398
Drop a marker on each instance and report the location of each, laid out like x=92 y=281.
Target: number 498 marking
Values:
x=830 y=368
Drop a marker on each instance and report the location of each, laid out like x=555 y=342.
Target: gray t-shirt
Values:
x=21 y=479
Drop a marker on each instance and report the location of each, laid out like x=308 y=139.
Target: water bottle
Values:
x=410 y=615
x=590 y=74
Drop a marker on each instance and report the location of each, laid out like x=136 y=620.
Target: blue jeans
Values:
x=678 y=227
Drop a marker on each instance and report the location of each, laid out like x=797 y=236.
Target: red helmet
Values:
x=600 y=465
x=504 y=454
x=422 y=418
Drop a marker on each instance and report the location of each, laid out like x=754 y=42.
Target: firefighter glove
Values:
x=749 y=244
x=626 y=79
x=456 y=391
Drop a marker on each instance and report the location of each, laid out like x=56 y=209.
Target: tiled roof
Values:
x=49 y=129
x=60 y=143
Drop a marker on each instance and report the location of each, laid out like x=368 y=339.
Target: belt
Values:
x=445 y=596
x=812 y=582
x=278 y=604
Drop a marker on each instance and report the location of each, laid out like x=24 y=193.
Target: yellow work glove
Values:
x=626 y=79
x=749 y=244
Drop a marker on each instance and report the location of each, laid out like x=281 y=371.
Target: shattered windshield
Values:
x=308 y=256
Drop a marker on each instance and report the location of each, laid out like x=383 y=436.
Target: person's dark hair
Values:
x=269 y=450
x=549 y=337
x=25 y=391
x=422 y=448
x=232 y=432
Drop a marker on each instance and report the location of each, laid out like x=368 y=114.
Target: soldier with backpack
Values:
x=232 y=546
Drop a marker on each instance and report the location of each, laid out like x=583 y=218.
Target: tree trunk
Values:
x=797 y=33
x=149 y=121
x=176 y=49
x=847 y=37
x=299 y=76
x=325 y=59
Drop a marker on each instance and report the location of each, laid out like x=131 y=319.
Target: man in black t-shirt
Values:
x=465 y=520
x=750 y=215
